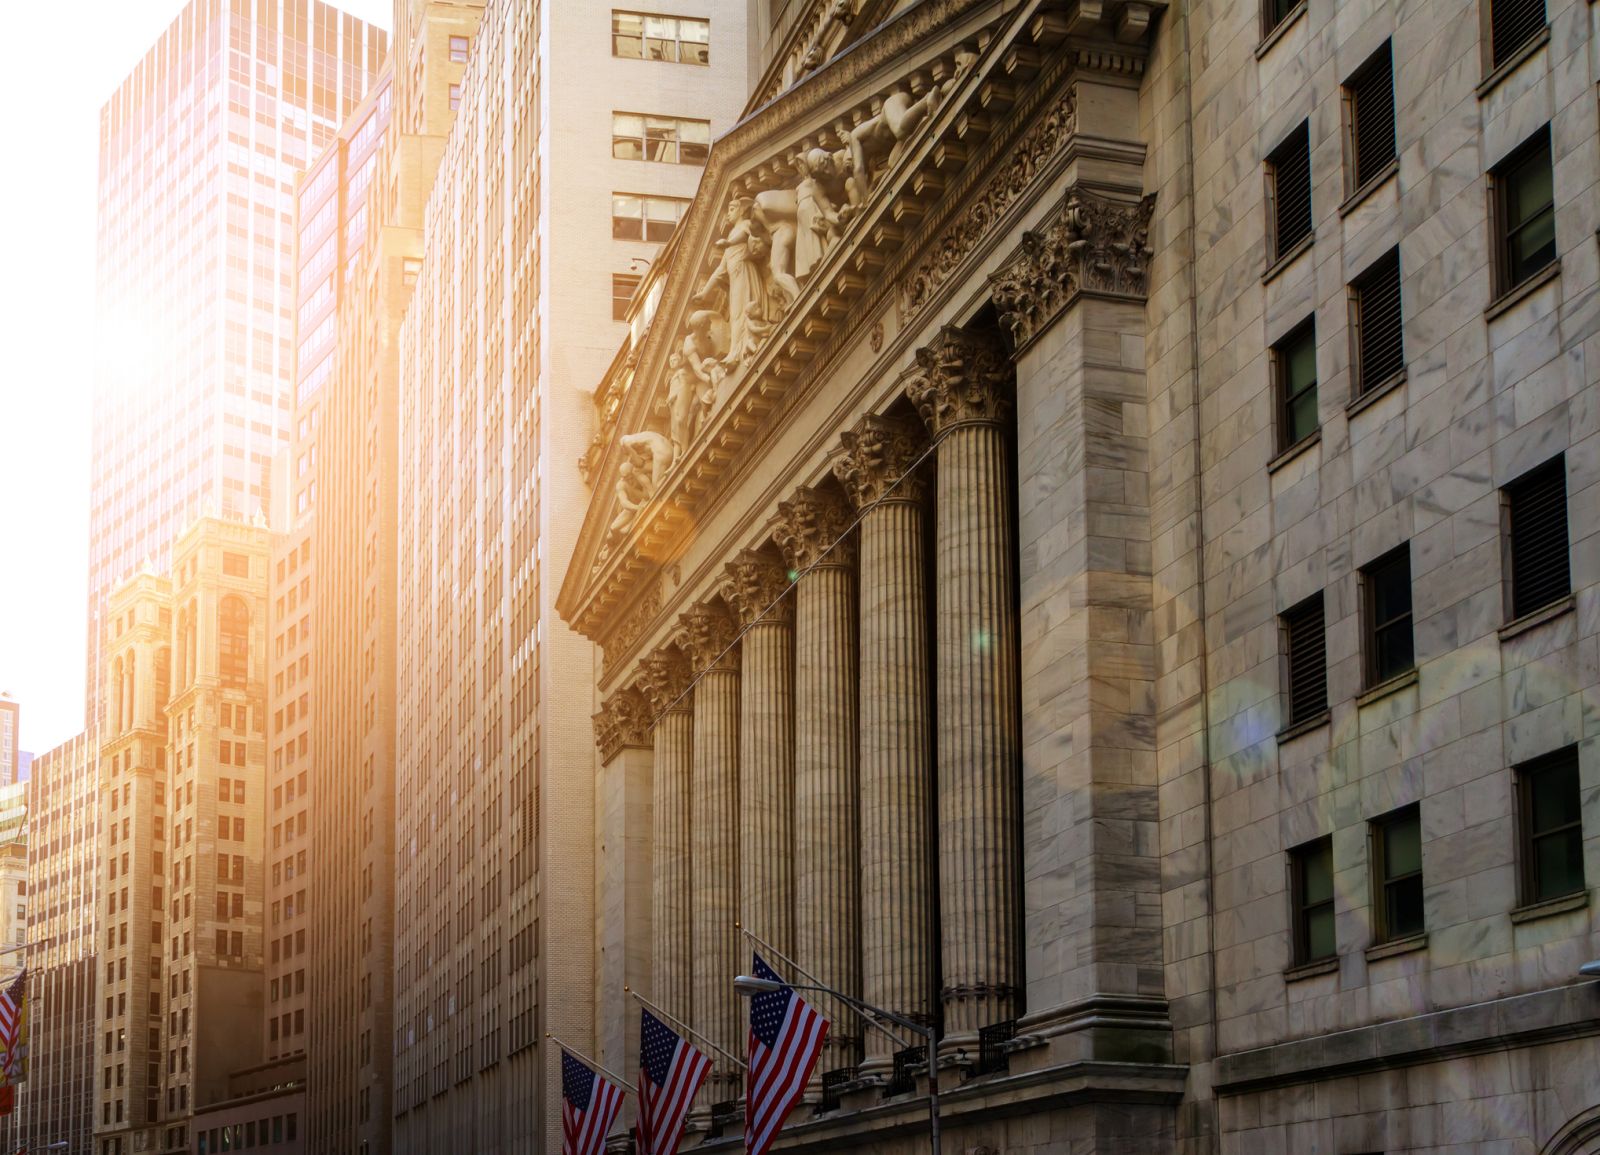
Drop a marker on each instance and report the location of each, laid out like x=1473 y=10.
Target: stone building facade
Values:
x=1092 y=544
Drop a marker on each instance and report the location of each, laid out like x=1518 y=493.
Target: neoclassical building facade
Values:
x=960 y=503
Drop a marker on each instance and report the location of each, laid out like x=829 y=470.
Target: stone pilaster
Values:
x=709 y=633
x=757 y=589
x=665 y=675
x=812 y=534
x=896 y=755
x=962 y=387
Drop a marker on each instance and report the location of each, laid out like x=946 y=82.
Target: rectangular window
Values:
x=1536 y=517
x=1275 y=12
x=623 y=286
x=1397 y=874
x=458 y=49
x=1289 y=193
x=1311 y=881
x=1376 y=324
x=1551 y=826
x=635 y=217
x=1294 y=369
x=678 y=39
x=1512 y=23
x=235 y=564
x=665 y=139
x=1523 y=209
x=455 y=97
x=1369 y=118
x=1386 y=589
x=1306 y=639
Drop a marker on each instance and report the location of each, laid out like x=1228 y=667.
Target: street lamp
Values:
x=749 y=986
x=1590 y=970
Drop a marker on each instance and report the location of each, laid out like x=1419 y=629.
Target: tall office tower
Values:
x=57 y=1103
x=573 y=130
x=10 y=736
x=183 y=770
x=199 y=148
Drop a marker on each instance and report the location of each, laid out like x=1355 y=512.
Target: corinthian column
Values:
x=714 y=817
x=665 y=675
x=896 y=756
x=827 y=901
x=962 y=387
x=755 y=588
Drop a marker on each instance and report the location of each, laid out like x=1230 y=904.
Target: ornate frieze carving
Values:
x=812 y=528
x=623 y=637
x=624 y=720
x=879 y=454
x=1041 y=142
x=1093 y=244
x=756 y=583
x=961 y=377
x=666 y=676
x=709 y=631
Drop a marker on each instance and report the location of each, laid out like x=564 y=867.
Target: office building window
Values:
x=679 y=39
x=1289 y=193
x=622 y=289
x=1294 y=370
x=455 y=97
x=645 y=218
x=1275 y=12
x=1369 y=119
x=1536 y=523
x=1311 y=885
x=665 y=139
x=1551 y=824
x=1375 y=323
x=1397 y=874
x=459 y=46
x=1523 y=202
x=1386 y=597
x=1512 y=23
x=1306 y=639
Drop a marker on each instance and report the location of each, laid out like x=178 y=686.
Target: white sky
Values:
x=47 y=207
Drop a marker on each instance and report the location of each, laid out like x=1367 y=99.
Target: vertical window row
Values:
x=1289 y=193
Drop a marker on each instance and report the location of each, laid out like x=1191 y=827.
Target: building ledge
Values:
x=1514 y=296
x=1397 y=946
x=1304 y=726
x=1372 y=185
x=1550 y=907
x=1281 y=30
x=1288 y=258
x=1289 y=453
x=1371 y=396
x=1385 y=688
x=1537 y=618
x=1310 y=970
x=1492 y=81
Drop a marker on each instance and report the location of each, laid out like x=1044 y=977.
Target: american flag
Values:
x=671 y=1070
x=11 y=1013
x=589 y=1105
x=786 y=1036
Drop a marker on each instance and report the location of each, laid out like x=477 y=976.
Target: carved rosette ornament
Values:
x=961 y=378
x=709 y=631
x=623 y=721
x=1095 y=244
x=665 y=676
x=879 y=454
x=754 y=589
x=812 y=528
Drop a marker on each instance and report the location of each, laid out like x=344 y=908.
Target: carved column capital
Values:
x=756 y=580
x=961 y=378
x=623 y=721
x=665 y=676
x=811 y=529
x=1092 y=244
x=709 y=630
x=879 y=452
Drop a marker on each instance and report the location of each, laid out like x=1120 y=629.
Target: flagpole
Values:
x=587 y=1061
x=815 y=981
x=738 y=1062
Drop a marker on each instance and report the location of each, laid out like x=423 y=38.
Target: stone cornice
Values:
x=1093 y=244
x=879 y=455
x=623 y=721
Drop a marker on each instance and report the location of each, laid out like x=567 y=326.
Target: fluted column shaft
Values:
x=963 y=392
x=670 y=793
x=715 y=871
x=896 y=752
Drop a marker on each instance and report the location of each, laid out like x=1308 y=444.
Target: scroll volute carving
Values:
x=666 y=677
x=812 y=528
x=755 y=584
x=878 y=462
x=961 y=377
x=1093 y=244
x=709 y=632
x=623 y=721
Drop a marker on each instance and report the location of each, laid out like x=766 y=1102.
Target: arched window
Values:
x=233 y=643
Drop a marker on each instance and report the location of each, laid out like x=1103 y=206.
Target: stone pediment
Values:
x=808 y=209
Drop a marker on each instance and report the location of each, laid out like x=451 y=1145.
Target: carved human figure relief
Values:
x=742 y=280
x=816 y=219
